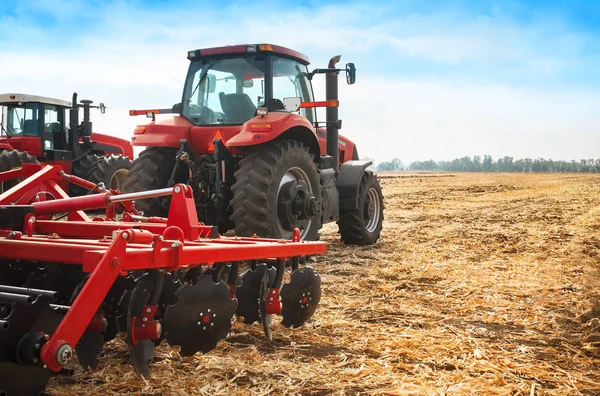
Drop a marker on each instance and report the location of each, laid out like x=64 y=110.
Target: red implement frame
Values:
x=108 y=249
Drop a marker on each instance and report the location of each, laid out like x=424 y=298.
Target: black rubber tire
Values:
x=80 y=168
x=256 y=186
x=10 y=159
x=150 y=171
x=352 y=225
x=105 y=168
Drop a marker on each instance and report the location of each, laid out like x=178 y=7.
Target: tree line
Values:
x=504 y=164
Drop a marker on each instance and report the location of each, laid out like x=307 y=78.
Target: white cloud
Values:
x=133 y=57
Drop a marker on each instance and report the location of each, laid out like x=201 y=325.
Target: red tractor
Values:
x=35 y=128
x=247 y=140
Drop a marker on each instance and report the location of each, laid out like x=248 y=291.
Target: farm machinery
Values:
x=246 y=139
x=70 y=283
x=36 y=128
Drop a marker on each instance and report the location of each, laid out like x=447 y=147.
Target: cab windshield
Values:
x=224 y=90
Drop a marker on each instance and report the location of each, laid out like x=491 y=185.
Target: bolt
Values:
x=37 y=346
x=175 y=245
x=199 y=323
x=201 y=313
x=64 y=354
x=177 y=190
x=203 y=327
x=270 y=298
x=208 y=310
x=148 y=310
x=12 y=234
x=36 y=360
x=212 y=324
x=144 y=319
x=125 y=235
x=214 y=315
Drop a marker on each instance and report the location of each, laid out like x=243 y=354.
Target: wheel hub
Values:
x=370 y=209
x=295 y=203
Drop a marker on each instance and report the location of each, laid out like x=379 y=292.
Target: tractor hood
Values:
x=164 y=133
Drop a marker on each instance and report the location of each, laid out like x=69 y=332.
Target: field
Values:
x=481 y=284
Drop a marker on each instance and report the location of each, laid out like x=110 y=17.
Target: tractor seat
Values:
x=54 y=127
x=238 y=108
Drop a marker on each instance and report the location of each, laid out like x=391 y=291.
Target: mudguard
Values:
x=348 y=182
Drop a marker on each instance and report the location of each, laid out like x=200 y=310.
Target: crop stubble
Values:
x=480 y=284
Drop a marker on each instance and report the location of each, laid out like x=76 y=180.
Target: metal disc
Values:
x=300 y=297
x=142 y=352
x=200 y=317
x=115 y=307
x=90 y=344
x=88 y=348
x=167 y=297
x=248 y=294
x=265 y=285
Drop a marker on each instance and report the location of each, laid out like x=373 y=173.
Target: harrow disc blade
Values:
x=141 y=351
x=300 y=297
x=200 y=317
x=115 y=305
x=265 y=286
x=248 y=294
x=170 y=286
x=87 y=350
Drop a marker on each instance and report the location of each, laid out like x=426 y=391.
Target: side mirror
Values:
x=212 y=83
x=350 y=73
x=102 y=108
x=292 y=104
x=249 y=83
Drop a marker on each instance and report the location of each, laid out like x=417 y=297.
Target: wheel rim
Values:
x=117 y=180
x=294 y=174
x=372 y=210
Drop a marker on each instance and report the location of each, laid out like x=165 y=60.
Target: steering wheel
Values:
x=200 y=111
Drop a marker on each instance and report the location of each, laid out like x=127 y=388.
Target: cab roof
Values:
x=249 y=48
x=9 y=98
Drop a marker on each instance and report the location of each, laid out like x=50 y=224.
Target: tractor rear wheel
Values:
x=362 y=226
x=277 y=188
x=11 y=159
x=111 y=170
x=150 y=171
x=80 y=168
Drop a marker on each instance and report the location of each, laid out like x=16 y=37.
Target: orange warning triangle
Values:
x=211 y=146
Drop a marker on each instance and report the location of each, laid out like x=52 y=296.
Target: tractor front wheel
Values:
x=11 y=159
x=277 y=188
x=111 y=170
x=362 y=226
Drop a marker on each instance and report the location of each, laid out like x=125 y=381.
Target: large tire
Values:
x=80 y=168
x=258 y=185
x=150 y=171
x=362 y=226
x=11 y=159
x=111 y=170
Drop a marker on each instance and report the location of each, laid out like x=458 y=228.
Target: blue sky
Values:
x=441 y=78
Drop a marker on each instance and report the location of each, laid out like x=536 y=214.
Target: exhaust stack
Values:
x=333 y=124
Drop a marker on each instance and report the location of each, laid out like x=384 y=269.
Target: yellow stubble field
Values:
x=481 y=284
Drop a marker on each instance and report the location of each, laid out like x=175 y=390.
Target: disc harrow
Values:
x=69 y=283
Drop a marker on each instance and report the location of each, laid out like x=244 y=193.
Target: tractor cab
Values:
x=228 y=87
x=34 y=124
x=40 y=125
